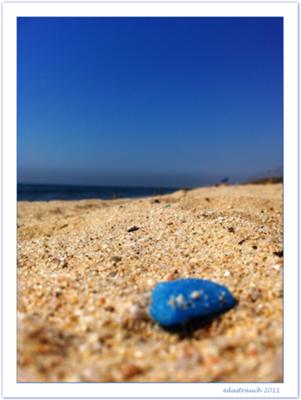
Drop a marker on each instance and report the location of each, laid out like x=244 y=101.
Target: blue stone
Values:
x=180 y=301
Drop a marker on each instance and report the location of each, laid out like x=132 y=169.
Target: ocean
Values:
x=45 y=192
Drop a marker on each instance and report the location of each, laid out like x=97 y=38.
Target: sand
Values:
x=85 y=277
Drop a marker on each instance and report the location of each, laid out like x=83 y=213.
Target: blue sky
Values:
x=149 y=101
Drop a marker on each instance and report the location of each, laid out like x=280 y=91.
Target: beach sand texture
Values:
x=85 y=277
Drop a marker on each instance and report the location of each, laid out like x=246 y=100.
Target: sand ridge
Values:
x=85 y=277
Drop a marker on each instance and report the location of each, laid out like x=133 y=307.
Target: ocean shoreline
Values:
x=47 y=192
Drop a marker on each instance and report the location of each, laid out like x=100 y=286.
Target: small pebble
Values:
x=178 y=302
x=151 y=282
x=136 y=312
x=116 y=259
x=193 y=261
x=101 y=300
x=133 y=228
x=255 y=294
x=130 y=370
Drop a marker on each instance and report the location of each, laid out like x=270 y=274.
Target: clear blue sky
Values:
x=149 y=101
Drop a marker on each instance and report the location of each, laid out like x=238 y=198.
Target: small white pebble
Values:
x=172 y=301
x=133 y=309
x=195 y=294
x=151 y=282
x=180 y=299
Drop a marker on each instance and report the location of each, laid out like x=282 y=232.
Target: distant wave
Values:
x=45 y=192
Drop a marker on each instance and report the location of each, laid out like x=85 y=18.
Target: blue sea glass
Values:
x=180 y=301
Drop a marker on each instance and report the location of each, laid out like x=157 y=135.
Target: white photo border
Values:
x=290 y=387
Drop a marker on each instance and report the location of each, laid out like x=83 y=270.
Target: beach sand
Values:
x=85 y=277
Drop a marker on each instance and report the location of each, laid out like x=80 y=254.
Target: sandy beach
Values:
x=86 y=270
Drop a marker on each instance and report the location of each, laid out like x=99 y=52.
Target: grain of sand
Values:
x=84 y=280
